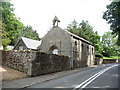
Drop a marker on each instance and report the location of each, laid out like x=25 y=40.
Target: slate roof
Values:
x=31 y=44
x=78 y=37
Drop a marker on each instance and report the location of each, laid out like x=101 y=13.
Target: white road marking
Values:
x=89 y=80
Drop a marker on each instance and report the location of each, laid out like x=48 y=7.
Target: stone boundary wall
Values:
x=35 y=63
x=18 y=60
x=48 y=63
x=98 y=61
x=107 y=61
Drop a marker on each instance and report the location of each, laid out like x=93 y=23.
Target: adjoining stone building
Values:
x=26 y=44
x=62 y=42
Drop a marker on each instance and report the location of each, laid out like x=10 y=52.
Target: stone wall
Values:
x=57 y=37
x=107 y=61
x=68 y=45
x=48 y=63
x=18 y=60
x=98 y=61
x=35 y=63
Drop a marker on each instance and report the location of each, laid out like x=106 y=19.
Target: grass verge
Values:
x=112 y=57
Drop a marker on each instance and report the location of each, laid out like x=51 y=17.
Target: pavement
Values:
x=23 y=83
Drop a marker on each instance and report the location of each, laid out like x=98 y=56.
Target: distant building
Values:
x=26 y=44
x=1 y=47
x=62 y=42
x=8 y=47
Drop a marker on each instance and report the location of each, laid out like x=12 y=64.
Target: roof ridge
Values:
x=30 y=43
x=77 y=36
x=29 y=39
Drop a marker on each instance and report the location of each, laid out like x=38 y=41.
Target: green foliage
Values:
x=109 y=44
x=98 y=55
x=86 y=31
x=5 y=39
x=10 y=24
x=82 y=29
x=28 y=32
x=112 y=16
x=12 y=27
x=112 y=57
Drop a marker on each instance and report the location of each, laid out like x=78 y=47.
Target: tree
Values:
x=5 y=39
x=12 y=27
x=86 y=31
x=82 y=29
x=112 y=16
x=109 y=44
x=27 y=32
x=10 y=24
x=73 y=27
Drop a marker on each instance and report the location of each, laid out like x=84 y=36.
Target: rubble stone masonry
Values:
x=35 y=63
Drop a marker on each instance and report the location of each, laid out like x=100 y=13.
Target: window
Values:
x=92 y=51
x=87 y=48
x=82 y=47
x=20 y=47
x=54 y=50
x=75 y=43
x=75 y=46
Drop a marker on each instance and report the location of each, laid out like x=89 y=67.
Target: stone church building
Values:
x=62 y=42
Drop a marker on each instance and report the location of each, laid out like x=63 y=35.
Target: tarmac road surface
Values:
x=102 y=76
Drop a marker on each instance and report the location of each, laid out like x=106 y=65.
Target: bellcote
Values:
x=55 y=21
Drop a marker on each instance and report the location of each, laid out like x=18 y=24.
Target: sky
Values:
x=40 y=13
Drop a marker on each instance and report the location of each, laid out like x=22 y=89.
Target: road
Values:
x=102 y=76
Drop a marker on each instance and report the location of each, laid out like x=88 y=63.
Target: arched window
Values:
x=75 y=43
x=75 y=46
x=54 y=50
x=82 y=47
x=87 y=49
x=92 y=51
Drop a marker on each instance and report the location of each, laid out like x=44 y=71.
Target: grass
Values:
x=16 y=78
x=112 y=57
